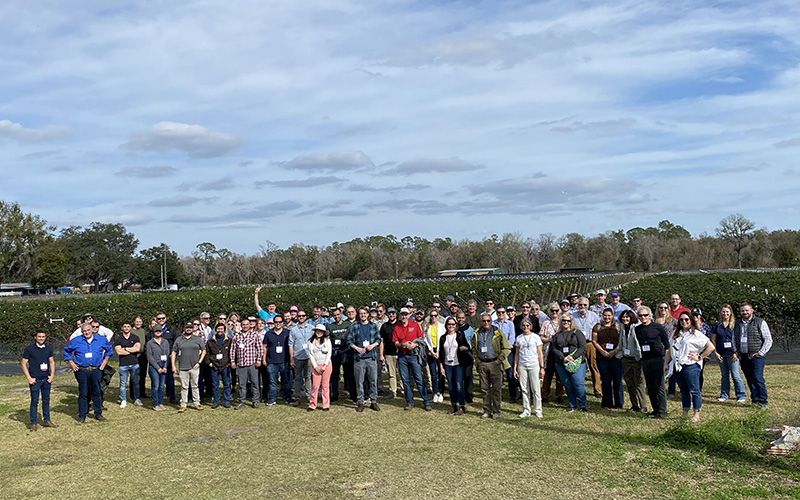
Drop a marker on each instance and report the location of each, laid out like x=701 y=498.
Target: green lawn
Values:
x=287 y=451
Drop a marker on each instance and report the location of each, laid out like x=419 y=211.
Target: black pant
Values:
x=653 y=370
x=105 y=380
x=143 y=368
x=468 y=383
x=349 y=377
x=336 y=366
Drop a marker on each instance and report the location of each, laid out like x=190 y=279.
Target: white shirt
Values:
x=691 y=342
x=105 y=332
x=528 y=352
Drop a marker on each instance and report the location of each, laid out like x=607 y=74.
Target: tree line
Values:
x=108 y=255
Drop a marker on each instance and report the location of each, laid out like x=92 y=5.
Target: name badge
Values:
x=365 y=343
x=179 y=352
x=44 y=367
x=87 y=355
x=727 y=345
x=565 y=349
x=337 y=342
x=219 y=356
x=645 y=348
x=163 y=357
x=626 y=352
x=241 y=345
x=484 y=349
x=609 y=346
x=279 y=349
x=450 y=359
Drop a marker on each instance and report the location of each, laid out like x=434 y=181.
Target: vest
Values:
x=754 y=340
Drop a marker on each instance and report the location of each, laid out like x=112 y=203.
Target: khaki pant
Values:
x=591 y=364
x=529 y=384
x=491 y=377
x=190 y=377
x=391 y=365
x=634 y=380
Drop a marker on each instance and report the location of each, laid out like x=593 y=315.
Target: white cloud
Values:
x=429 y=165
x=16 y=132
x=147 y=172
x=195 y=141
x=335 y=161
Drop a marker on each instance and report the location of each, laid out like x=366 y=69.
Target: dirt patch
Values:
x=238 y=430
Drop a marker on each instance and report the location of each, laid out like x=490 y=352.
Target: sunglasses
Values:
x=643 y=315
x=161 y=318
x=486 y=321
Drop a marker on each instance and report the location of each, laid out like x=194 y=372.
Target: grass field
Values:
x=287 y=452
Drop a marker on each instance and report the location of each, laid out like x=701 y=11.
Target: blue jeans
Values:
x=43 y=386
x=433 y=368
x=574 y=385
x=455 y=383
x=406 y=362
x=611 y=379
x=689 y=382
x=729 y=368
x=124 y=373
x=286 y=382
x=753 y=369
x=89 y=384
x=157 y=381
x=225 y=375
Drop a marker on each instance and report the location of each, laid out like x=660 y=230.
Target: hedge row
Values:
x=20 y=318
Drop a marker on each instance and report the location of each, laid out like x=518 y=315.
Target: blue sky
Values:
x=316 y=121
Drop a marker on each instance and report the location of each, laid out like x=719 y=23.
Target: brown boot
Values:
x=49 y=424
x=33 y=428
x=375 y=407
x=360 y=408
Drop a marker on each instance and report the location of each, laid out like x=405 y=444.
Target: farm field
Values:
x=281 y=451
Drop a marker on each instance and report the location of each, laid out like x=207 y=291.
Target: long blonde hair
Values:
x=730 y=320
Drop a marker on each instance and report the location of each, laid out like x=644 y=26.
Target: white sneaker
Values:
x=123 y=404
x=721 y=399
x=441 y=398
x=525 y=414
x=138 y=402
x=742 y=400
x=539 y=415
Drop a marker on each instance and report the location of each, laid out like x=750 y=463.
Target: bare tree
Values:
x=736 y=229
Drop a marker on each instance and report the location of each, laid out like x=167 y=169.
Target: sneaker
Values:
x=296 y=403
x=271 y=403
x=138 y=402
x=525 y=414
x=181 y=409
x=495 y=416
x=428 y=408
x=584 y=410
x=571 y=409
x=227 y=405
x=741 y=400
x=255 y=404
x=309 y=409
x=486 y=414
x=721 y=399
x=538 y=415
x=215 y=405
x=123 y=404
x=240 y=406
x=408 y=407
x=388 y=395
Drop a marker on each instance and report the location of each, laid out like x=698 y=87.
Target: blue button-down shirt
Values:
x=298 y=339
x=619 y=309
x=507 y=327
x=85 y=353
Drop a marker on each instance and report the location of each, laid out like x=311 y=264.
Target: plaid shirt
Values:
x=246 y=348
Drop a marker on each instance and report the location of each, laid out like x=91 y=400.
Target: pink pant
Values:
x=324 y=379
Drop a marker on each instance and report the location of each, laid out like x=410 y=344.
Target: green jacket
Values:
x=500 y=346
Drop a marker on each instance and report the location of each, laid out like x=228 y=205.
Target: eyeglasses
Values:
x=206 y=317
x=195 y=324
x=525 y=325
x=450 y=324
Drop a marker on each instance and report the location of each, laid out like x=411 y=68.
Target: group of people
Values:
x=433 y=350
